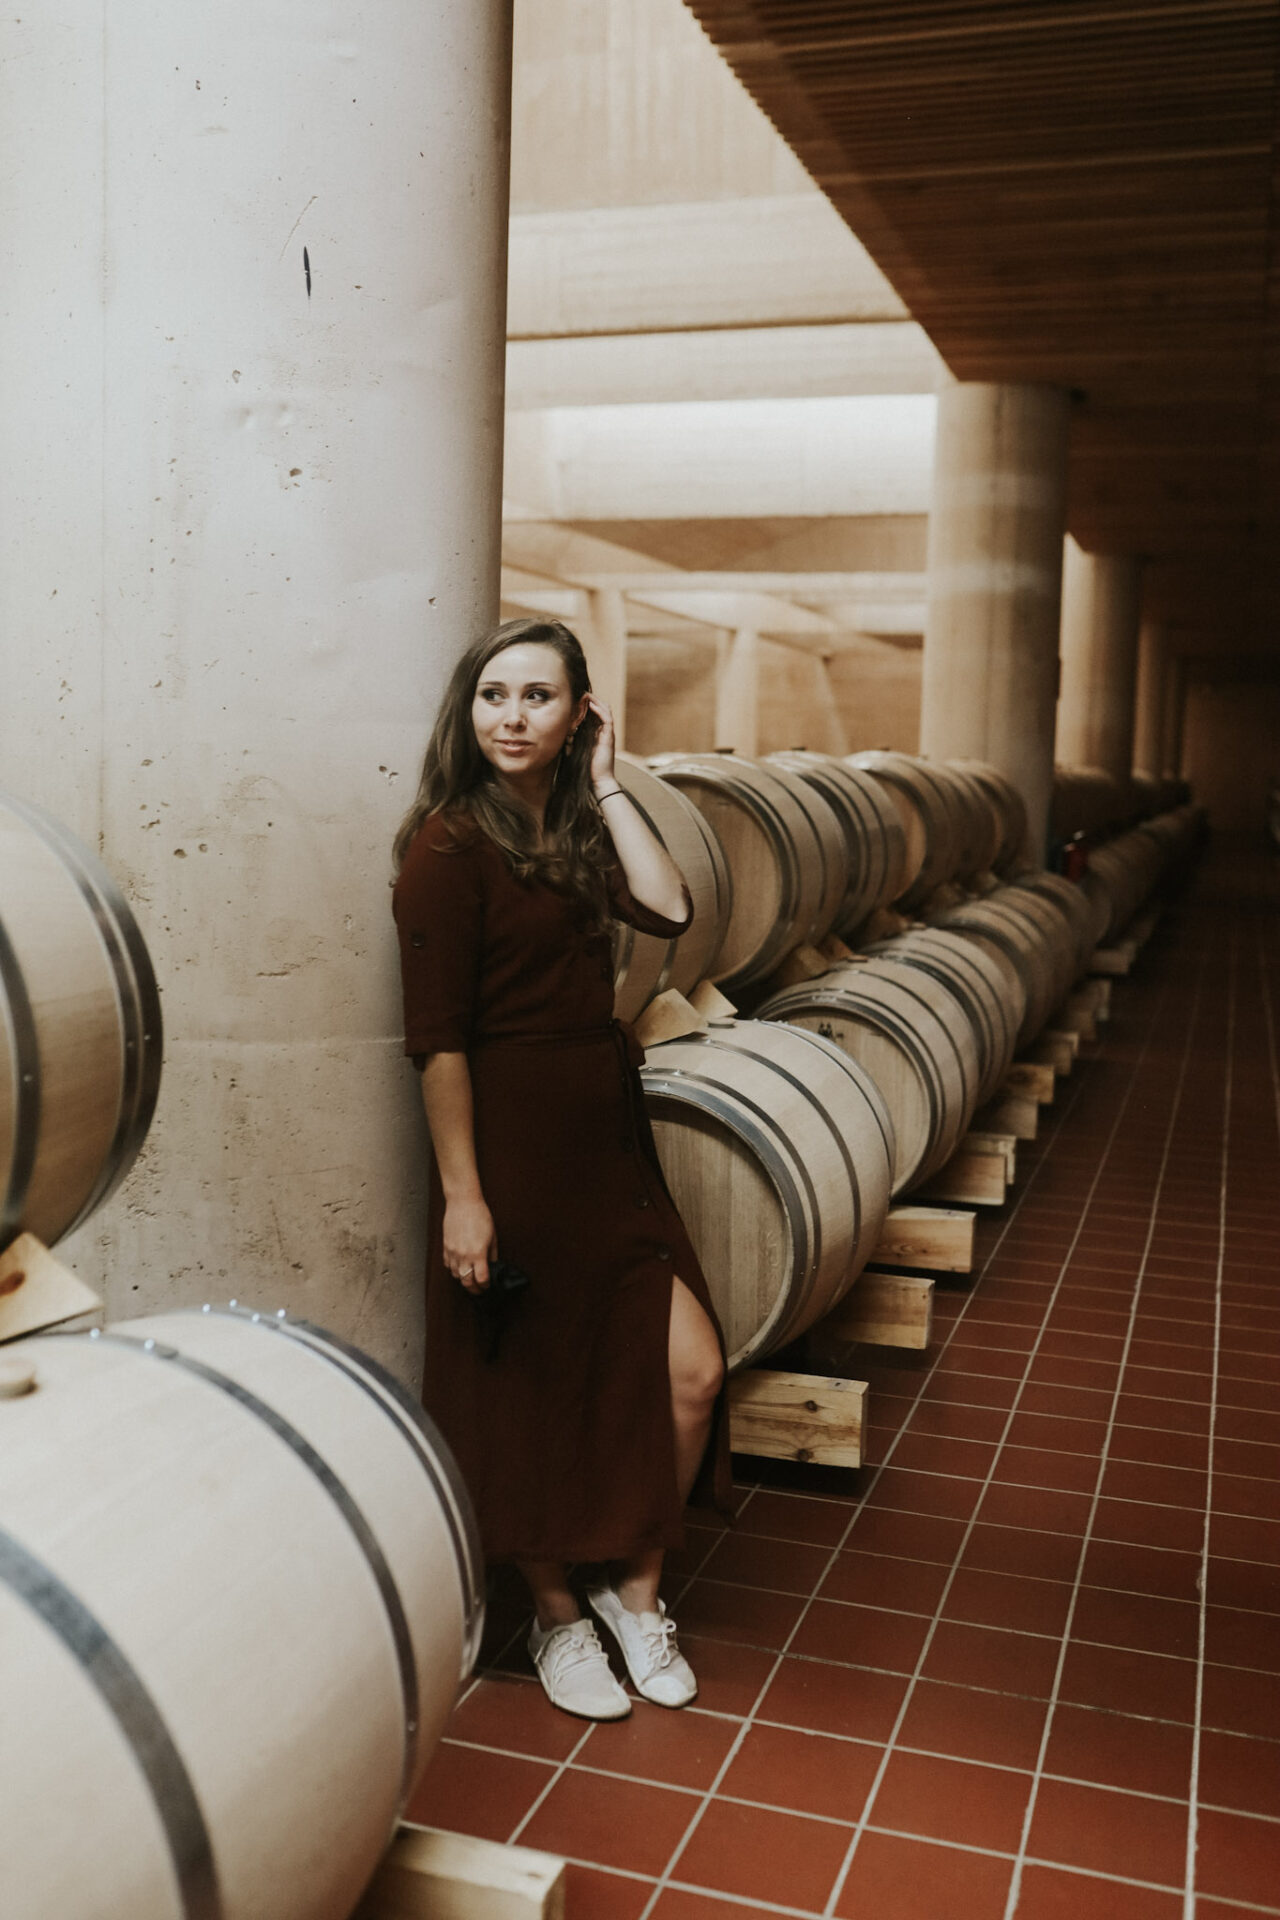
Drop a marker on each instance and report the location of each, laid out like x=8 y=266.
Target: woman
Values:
x=580 y=1404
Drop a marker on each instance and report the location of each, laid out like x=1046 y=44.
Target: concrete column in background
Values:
x=738 y=692
x=990 y=668
x=837 y=740
x=604 y=641
x=1101 y=611
x=251 y=436
x=1148 y=714
x=1175 y=707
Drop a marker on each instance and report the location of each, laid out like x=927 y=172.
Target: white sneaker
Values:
x=648 y=1640
x=575 y=1673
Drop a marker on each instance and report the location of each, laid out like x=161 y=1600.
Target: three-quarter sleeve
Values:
x=624 y=906
x=438 y=904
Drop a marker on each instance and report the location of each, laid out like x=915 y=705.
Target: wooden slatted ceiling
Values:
x=1084 y=194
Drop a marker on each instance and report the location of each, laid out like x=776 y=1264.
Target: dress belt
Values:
x=627 y=1049
x=620 y=1032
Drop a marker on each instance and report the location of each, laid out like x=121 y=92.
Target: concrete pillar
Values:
x=837 y=740
x=738 y=692
x=990 y=668
x=604 y=642
x=1101 y=610
x=1148 y=716
x=1175 y=706
x=251 y=436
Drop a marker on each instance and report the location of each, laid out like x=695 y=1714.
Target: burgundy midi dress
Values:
x=564 y=1434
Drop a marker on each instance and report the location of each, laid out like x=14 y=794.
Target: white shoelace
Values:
x=573 y=1651
x=660 y=1643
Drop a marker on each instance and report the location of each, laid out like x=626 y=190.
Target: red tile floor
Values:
x=1027 y=1660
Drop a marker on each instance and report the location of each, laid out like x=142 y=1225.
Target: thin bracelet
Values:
x=602 y=797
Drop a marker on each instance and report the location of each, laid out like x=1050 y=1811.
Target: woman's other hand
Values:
x=603 y=746
x=469 y=1239
x=469 y=1242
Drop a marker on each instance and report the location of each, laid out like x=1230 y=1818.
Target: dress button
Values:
x=417 y=939
x=643 y=1200
x=663 y=1253
x=628 y=1144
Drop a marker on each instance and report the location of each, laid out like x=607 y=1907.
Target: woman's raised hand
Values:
x=469 y=1242
x=604 y=744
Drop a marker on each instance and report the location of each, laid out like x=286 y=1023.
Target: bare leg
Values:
x=697 y=1371
x=552 y=1598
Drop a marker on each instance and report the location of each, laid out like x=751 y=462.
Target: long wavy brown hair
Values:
x=458 y=781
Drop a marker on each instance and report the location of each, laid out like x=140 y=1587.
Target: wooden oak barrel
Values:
x=1123 y=872
x=1145 y=789
x=645 y=966
x=1022 y=942
x=885 y=827
x=1052 y=929
x=875 y=842
x=1008 y=807
x=833 y=852
x=914 y=1040
x=778 y=1151
x=1117 y=881
x=1086 y=800
x=239 y=1588
x=984 y=826
x=917 y=788
x=80 y=1029
x=973 y=825
x=987 y=988
x=1097 y=897
x=1074 y=906
x=785 y=852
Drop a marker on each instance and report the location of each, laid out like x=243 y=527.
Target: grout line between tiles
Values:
x=925 y=1753
x=558 y=1773
x=1175 y=1110
x=1238 y=1171
x=749 y=1719
x=1202 y=1623
x=1099 y=1159
x=563 y=1765
x=738 y=1899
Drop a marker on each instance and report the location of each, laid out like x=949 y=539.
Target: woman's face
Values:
x=523 y=710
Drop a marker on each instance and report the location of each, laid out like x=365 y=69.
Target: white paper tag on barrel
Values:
x=37 y=1291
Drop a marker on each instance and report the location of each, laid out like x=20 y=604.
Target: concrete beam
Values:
x=871 y=454
x=866 y=543
x=720 y=263
x=763 y=614
x=872 y=603
x=825 y=612
x=572 y=600
x=524 y=593
x=800 y=585
x=742 y=363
